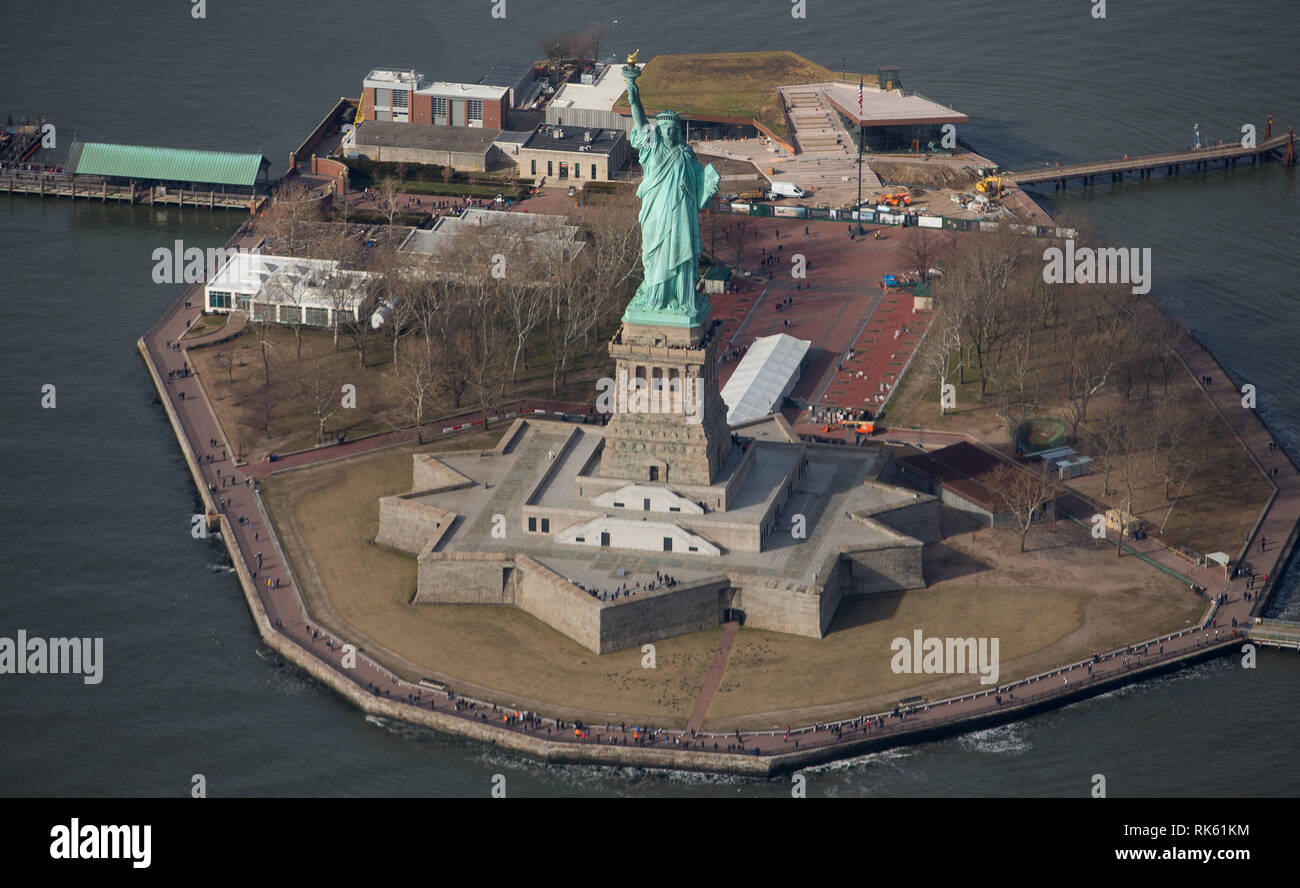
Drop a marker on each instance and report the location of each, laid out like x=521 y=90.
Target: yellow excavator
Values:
x=990 y=185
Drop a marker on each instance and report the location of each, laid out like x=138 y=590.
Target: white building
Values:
x=592 y=104
x=538 y=230
x=768 y=372
x=286 y=289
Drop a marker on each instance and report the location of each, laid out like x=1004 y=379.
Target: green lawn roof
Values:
x=168 y=164
x=730 y=84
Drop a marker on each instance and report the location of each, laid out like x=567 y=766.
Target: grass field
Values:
x=729 y=84
x=1060 y=601
x=206 y=324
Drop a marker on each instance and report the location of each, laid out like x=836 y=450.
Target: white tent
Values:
x=766 y=374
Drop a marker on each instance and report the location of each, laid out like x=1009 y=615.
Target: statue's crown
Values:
x=667 y=115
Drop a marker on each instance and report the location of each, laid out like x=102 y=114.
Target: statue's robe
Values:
x=674 y=188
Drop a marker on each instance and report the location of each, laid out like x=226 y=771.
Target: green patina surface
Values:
x=674 y=188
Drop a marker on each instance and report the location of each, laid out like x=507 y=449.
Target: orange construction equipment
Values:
x=867 y=428
x=901 y=198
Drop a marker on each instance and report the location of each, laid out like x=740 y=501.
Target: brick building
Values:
x=403 y=96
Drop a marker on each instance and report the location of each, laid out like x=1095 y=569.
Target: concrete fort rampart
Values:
x=408 y=525
x=663 y=613
x=788 y=607
x=599 y=626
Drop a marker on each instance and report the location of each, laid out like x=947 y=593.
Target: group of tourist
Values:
x=661 y=581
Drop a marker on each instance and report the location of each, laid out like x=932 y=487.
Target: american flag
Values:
x=859 y=95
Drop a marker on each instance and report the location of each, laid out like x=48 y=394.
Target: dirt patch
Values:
x=924 y=174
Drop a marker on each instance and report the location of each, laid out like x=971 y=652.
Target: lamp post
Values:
x=613 y=39
x=858 y=208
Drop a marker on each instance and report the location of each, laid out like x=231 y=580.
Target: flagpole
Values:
x=858 y=207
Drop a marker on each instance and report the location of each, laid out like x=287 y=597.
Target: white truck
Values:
x=785 y=189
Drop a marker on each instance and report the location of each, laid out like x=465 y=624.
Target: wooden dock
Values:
x=1172 y=163
x=98 y=188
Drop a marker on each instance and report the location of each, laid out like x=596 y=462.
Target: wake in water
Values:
x=1003 y=740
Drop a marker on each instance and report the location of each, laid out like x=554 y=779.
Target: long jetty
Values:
x=1145 y=165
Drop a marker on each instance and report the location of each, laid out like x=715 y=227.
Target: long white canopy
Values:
x=766 y=374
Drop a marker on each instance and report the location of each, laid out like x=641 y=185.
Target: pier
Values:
x=98 y=188
x=1145 y=165
x=138 y=174
x=1275 y=633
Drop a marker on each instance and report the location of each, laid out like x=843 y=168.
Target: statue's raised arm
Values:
x=630 y=73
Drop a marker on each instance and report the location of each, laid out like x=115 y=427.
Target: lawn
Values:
x=208 y=323
x=1062 y=600
x=729 y=84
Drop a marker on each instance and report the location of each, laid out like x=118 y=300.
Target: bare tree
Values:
x=942 y=355
x=286 y=294
x=358 y=330
x=979 y=274
x=320 y=392
x=737 y=237
x=293 y=212
x=1170 y=424
x=572 y=313
x=226 y=361
x=1018 y=375
x=1026 y=493
x=414 y=373
x=1107 y=439
x=922 y=250
x=388 y=195
x=1086 y=371
x=613 y=247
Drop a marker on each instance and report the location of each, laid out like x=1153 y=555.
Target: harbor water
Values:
x=96 y=499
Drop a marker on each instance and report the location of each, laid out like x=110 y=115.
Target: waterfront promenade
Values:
x=234 y=506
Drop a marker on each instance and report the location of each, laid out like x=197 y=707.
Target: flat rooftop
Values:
x=465 y=139
x=885 y=107
x=300 y=280
x=463 y=90
x=588 y=140
x=507 y=73
x=533 y=227
x=394 y=76
x=599 y=96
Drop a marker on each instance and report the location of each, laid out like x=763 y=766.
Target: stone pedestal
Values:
x=669 y=423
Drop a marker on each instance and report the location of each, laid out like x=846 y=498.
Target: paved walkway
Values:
x=713 y=678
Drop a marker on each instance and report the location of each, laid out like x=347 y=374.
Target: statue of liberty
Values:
x=674 y=188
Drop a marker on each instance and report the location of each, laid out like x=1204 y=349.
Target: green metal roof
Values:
x=168 y=164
